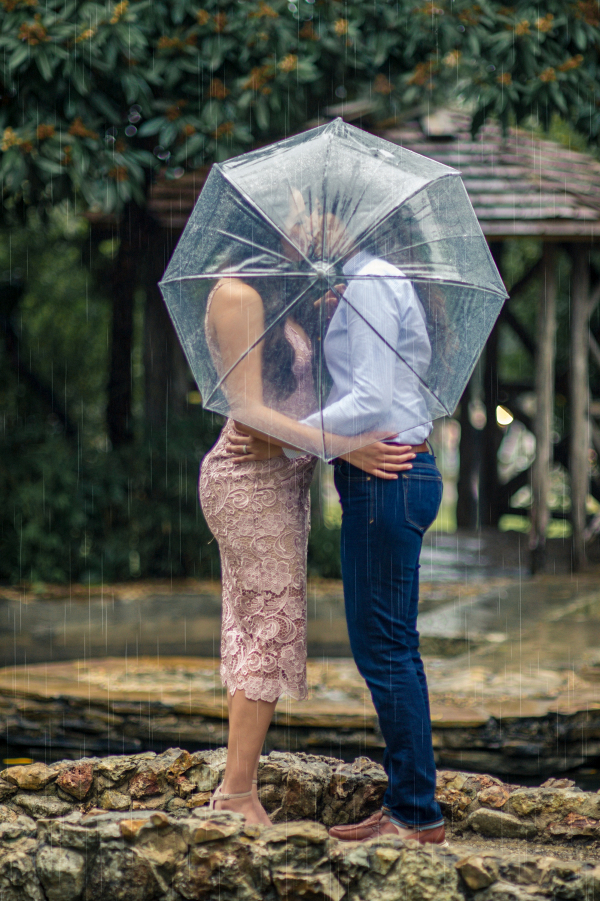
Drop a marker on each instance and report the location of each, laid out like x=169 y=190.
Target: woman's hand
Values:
x=330 y=300
x=248 y=449
x=381 y=460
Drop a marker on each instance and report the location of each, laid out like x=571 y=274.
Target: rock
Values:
x=164 y=847
x=416 y=875
x=503 y=891
x=41 y=805
x=183 y=787
x=18 y=878
x=7 y=789
x=495 y=796
x=574 y=825
x=558 y=783
x=32 y=777
x=199 y=799
x=180 y=766
x=113 y=800
x=77 y=781
x=112 y=770
x=61 y=872
x=123 y=874
x=291 y=883
x=497 y=824
x=211 y=831
x=144 y=785
x=355 y=791
x=475 y=873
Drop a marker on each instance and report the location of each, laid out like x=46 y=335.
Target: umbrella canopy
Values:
x=389 y=233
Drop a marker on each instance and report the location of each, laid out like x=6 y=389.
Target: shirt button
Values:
x=368 y=478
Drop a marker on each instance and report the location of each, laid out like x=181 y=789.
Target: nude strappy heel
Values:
x=219 y=796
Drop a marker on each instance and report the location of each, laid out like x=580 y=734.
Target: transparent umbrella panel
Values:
x=369 y=255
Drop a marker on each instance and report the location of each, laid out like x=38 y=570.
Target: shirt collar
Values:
x=356 y=263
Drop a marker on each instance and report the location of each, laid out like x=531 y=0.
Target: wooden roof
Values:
x=520 y=185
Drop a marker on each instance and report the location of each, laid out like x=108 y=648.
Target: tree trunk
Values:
x=166 y=380
x=123 y=280
x=468 y=474
x=544 y=414
x=579 y=400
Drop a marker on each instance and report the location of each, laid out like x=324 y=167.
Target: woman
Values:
x=378 y=385
x=259 y=514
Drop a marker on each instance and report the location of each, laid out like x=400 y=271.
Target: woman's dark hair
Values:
x=278 y=355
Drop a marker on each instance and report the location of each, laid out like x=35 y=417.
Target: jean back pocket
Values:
x=422 y=498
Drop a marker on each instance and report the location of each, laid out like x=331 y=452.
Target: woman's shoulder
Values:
x=232 y=296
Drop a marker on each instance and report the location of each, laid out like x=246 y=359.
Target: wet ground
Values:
x=499 y=647
x=65 y=623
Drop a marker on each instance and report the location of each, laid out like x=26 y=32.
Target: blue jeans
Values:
x=383 y=524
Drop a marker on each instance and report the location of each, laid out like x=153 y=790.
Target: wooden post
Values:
x=544 y=414
x=469 y=461
x=489 y=510
x=579 y=443
x=491 y=437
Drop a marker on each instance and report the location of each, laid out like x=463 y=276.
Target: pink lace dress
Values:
x=260 y=515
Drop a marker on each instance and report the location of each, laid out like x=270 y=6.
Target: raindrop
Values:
x=177 y=172
x=292 y=7
x=112 y=131
x=341 y=92
x=161 y=153
x=130 y=131
x=491 y=68
x=461 y=27
x=134 y=116
x=110 y=139
x=309 y=1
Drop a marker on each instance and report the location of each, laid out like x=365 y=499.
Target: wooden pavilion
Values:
x=520 y=186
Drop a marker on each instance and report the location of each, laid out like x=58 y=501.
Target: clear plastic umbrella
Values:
x=388 y=234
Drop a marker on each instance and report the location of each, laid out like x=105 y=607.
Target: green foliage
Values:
x=63 y=321
x=97 y=95
x=69 y=515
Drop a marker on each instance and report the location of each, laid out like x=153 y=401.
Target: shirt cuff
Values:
x=292 y=454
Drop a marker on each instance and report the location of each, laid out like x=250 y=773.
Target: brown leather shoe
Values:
x=380 y=824
x=358 y=832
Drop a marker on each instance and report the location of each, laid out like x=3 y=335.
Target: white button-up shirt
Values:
x=376 y=385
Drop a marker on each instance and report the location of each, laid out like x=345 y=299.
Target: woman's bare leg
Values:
x=248 y=725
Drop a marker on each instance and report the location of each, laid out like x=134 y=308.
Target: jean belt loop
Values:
x=428 y=443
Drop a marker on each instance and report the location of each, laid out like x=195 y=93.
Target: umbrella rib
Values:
x=262 y=213
x=367 y=234
x=246 y=241
x=432 y=278
x=236 y=273
x=254 y=344
x=324 y=195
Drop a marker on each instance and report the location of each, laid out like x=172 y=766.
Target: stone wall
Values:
x=136 y=828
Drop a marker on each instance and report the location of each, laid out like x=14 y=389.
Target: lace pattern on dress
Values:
x=260 y=515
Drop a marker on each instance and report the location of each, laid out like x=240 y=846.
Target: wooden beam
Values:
x=594 y=299
x=594 y=349
x=511 y=320
x=536 y=269
x=544 y=414
x=579 y=464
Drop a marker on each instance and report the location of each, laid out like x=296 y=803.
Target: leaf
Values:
x=43 y=64
x=19 y=56
x=151 y=126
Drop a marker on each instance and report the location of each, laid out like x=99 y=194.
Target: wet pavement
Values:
x=513 y=664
